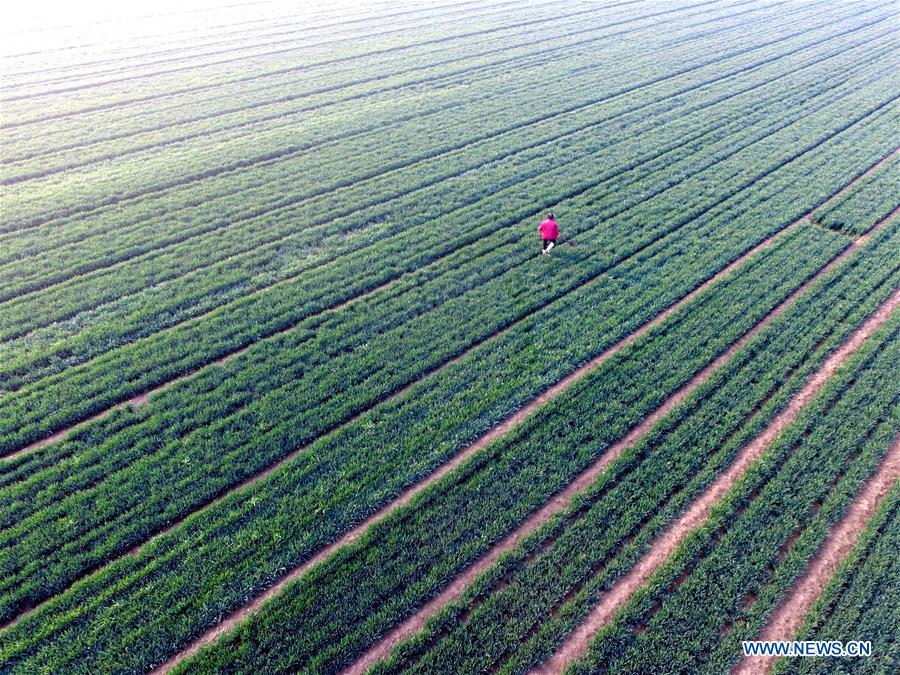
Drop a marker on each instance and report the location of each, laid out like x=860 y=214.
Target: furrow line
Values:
x=498 y=431
x=435 y=78
x=141 y=399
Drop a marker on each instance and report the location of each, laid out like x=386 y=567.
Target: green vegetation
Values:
x=517 y=613
x=523 y=467
x=143 y=471
x=264 y=275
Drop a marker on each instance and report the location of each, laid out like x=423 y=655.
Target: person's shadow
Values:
x=570 y=250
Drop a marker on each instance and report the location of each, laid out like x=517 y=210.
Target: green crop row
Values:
x=133 y=169
x=93 y=340
x=335 y=125
x=578 y=121
x=234 y=211
x=33 y=369
x=81 y=191
x=144 y=47
x=861 y=601
x=241 y=101
x=69 y=101
x=324 y=367
x=517 y=613
x=726 y=579
x=110 y=390
x=259 y=115
x=435 y=285
x=408 y=436
x=869 y=201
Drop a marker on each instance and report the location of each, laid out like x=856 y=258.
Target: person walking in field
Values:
x=549 y=233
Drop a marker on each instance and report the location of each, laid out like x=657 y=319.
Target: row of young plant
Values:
x=516 y=614
x=201 y=153
x=72 y=99
x=241 y=100
x=264 y=351
x=61 y=304
x=759 y=539
x=252 y=200
x=293 y=308
x=645 y=194
x=860 y=602
x=871 y=200
x=683 y=195
x=75 y=191
x=181 y=397
x=286 y=79
x=214 y=105
x=104 y=147
x=483 y=153
x=129 y=452
x=387 y=363
x=349 y=475
x=261 y=51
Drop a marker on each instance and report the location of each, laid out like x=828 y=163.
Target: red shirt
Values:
x=549 y=229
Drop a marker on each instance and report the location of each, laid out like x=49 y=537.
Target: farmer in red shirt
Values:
x=549 y=233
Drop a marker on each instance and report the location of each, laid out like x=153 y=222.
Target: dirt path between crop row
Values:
x=496 y=432
x=665 y=546
x=790 y=613
x=561 y=501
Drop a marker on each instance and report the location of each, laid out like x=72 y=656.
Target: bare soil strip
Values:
x=141 y=399
x=561 y=501
x=665 y=546
x=790 y=613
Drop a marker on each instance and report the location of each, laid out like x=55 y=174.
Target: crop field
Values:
x=287 y=384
